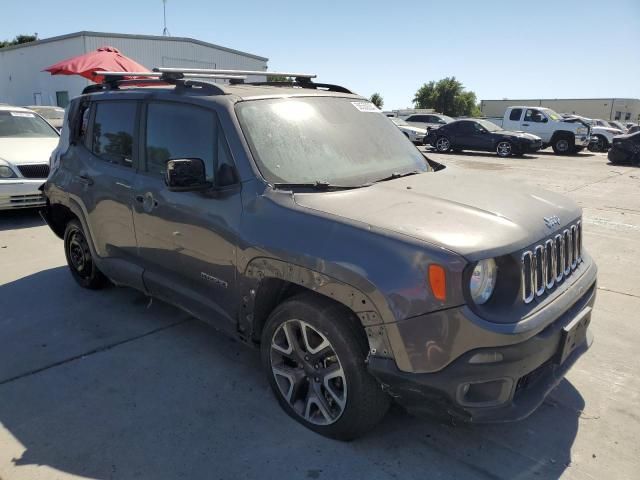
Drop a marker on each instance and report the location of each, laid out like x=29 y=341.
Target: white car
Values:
x=415 y=134
x=602 y=133
x=428 y=120
x=26 y=143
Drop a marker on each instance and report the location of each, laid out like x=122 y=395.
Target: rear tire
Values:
x=443 y=144
x=313 y=351
x=79 y=258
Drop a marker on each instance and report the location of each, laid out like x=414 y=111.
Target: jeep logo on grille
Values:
x=552 y=221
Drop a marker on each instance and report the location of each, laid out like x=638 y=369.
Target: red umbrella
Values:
x=105 y=59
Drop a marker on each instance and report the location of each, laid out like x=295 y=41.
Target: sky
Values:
x=498 y=49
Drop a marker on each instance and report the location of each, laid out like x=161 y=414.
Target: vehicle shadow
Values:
x=22 y=218
x=105 y=385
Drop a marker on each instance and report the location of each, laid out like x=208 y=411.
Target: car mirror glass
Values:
x=186 y=174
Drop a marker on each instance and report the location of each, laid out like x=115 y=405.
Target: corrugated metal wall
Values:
x=21 y=78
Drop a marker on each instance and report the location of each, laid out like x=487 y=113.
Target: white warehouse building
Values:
x=22 y=81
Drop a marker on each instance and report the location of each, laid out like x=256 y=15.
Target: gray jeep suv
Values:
x=298 y=218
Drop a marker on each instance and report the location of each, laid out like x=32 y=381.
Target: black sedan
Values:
x=482 y=135
x=625 y=149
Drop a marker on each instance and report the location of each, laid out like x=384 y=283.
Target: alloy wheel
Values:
x=308 y=372
x=443 y=144
x=503 y=149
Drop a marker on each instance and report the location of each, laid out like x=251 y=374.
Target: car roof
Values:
x=7 y=108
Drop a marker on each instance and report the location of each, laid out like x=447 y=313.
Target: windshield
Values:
x=24 y=125
x=552 y=115
x=341 y=141
x=399 y=121
x=446 y=118
x=492 y=127
x=50 y=113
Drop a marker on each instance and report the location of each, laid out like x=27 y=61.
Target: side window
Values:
x=466 y=128
x=80 y=127
x=113 y=131
x=533 y=116
x=516 y=113
x=184 y=131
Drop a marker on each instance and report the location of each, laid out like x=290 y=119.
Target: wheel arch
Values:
x=562 y=134
x=269 y=282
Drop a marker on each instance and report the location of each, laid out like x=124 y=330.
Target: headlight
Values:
x=483 y=280
x=5 y=170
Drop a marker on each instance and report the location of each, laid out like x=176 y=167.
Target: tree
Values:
x=18 y=40
x=377 y=100
x=279 y=78
x=447 y=96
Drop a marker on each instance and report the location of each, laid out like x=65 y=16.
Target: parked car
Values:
x=53 y=115
x=617 y=125
x=602 y=133
x=634 y=129
x=415 y=134
x=564 y=135
x=26 y=143
x=428 y=121
x=630 y=125
x=482 y=135
x=626 y=149
x=363 y=271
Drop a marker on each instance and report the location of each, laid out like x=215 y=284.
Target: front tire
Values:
x=504 y=148
x=79 y=258
x=314 y=352
x=562 y=145
x=443 y=144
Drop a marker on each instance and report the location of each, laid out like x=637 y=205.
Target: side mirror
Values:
x=186 y=175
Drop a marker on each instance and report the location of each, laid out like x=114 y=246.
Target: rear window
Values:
x=516 y=113
x=24 y=125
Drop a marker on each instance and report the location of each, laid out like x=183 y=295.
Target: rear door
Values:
x=103 y=178
x=187 y=240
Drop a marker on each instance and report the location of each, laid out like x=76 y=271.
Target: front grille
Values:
x=40 y=170
x=549 y=263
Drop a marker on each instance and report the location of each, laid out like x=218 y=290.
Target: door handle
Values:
x=525 y=124
x=85 y=179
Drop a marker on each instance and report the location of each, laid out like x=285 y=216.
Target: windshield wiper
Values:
x=395 y=175
x=317 y=185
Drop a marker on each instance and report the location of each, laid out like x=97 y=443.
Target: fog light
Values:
x=486 y=357
x=485 y=394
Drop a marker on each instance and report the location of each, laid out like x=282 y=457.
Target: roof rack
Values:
x=177 y=76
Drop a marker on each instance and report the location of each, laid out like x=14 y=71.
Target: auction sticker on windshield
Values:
x=22 y=114
x=366 y=107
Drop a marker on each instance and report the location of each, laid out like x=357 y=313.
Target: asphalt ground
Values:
x=106 y=384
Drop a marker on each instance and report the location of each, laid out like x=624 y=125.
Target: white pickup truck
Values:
x=564 y=135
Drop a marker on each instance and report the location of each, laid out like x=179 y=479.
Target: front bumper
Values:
x=507 y=390
x=21 y=193
x=582 y=140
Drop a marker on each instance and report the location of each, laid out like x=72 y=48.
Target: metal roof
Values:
x=85 y=33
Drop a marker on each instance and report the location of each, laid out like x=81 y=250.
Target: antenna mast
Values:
x=165 y=30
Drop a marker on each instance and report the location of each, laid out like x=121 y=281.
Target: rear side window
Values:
x=516 y=113
x=184 y=131
x=113 y=131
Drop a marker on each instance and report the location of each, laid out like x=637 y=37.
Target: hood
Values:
x=526 y=135
x=611 y=131
x=21 y=151
x=576 y=120
x=472 y=215
x=413 y=129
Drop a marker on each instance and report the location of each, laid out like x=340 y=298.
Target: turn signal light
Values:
x=438 y=281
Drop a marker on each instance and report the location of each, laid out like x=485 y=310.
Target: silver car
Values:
x=26 y=143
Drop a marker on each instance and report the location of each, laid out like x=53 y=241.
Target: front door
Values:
x=187 y=240
x=103 y=184
x=535 y=122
